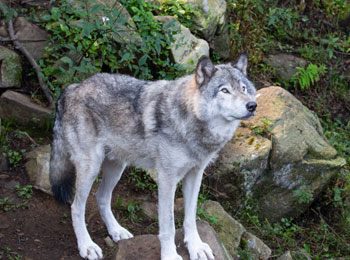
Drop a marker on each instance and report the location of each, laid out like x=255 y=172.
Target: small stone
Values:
x=150 y=210
x=256 y=246
x=4 y=176
x=179 y=205
x=285 y=256
x=109 y=242
x=4 y=222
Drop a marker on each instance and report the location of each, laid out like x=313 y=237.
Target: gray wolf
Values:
x=174 y=127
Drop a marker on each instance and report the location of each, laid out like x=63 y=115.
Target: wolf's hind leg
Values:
x=112 y=171
x=87 y=169
x=196 y=248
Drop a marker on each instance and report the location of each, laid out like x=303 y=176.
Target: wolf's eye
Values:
x=225 y=90
x=243 y=88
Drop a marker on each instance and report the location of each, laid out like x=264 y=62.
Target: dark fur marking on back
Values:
x=183 y=110
x=158 y=114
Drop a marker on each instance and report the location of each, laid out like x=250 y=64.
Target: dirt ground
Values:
x=43 y=229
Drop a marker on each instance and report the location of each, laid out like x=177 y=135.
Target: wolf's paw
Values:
x=120 y=233
x=200 y=251
x=90 y=251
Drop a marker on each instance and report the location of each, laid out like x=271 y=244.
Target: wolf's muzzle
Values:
x=251 y=106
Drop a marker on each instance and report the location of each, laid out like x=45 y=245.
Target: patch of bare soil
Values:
x=39 y=228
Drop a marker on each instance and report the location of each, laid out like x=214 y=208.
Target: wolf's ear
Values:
x=242 y=63
x=205 y=70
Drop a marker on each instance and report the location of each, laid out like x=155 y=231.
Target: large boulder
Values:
x=186 y=48
x=38 y=168
x=147 y=247
x=210 y=17
x=22 y=110
x=10 y=69
x=277 y=157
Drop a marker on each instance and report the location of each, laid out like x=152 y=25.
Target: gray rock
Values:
x=109 y=242
x=186 y=48
x=285 y=256
x=257 y=247
x=229 y=230
x=300 y=254
x=22 y=110
x=285 y=64
x=38 y=168
x=147 y=247
x=292 y=155
x=11 y=69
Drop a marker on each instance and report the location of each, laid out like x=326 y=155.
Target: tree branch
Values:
x=30 y=58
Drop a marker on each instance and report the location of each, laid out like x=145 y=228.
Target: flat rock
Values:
x=22 y=110
x=147 y=247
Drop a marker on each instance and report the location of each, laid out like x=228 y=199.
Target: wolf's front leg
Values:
x=196 y=248
x=166 y=196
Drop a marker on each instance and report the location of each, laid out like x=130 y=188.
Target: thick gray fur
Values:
x=174 y=127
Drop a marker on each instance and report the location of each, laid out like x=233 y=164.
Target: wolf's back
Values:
x=62 y=176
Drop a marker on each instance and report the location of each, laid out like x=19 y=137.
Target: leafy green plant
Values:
x=132 y=209
x=264 y=129
x=141 y=181
x=5 y=128
x=10 y=254
x=6 y=204
x=24 y=192
x=204 y=215
x=15 y=157
x=87 y=38
x=303 y=195
x=305 y=78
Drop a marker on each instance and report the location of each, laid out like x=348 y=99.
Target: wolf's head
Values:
x=225 y=90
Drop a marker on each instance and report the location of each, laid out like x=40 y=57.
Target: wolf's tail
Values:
x=62 y=175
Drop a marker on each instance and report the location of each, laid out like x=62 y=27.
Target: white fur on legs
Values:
x=166 y=196
x=86 y=174
x=112 y=171
x=196 y=248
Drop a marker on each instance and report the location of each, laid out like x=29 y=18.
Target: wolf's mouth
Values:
x=246 y=117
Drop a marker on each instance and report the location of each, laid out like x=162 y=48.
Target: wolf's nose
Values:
x=251 y=106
